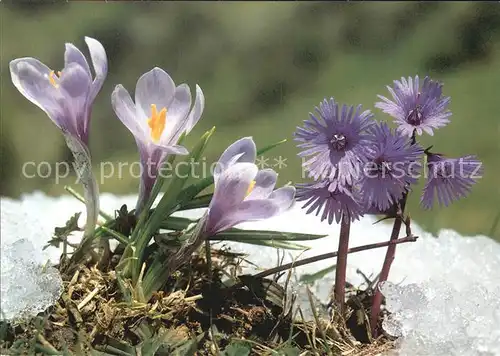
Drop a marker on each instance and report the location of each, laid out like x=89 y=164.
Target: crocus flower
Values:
x=242 y=192
x=160 y=115
x=335 y=141
x=449 y=178
x=66 y=96
x=414 y=108
x=393 y=164
x=334 y=202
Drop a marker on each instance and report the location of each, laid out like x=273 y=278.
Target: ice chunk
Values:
x=28 y=285
x=435 y=318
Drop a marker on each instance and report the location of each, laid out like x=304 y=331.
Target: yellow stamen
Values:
x=250 y=188
x=52 y=78
x=157 y=122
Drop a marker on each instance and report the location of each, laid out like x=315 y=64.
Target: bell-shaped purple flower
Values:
x=161 y=113
x=414 y=108
x=393 y=164
x=333 y=199
x=449 y=178
x=66 y=96
x=242 y=192
x=334 y=141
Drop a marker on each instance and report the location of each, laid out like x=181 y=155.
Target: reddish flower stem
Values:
x=384 y=273
x=340 y=270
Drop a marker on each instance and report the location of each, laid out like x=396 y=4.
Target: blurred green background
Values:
x=263 y=67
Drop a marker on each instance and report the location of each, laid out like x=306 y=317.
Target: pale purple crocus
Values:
x=415 y=108
x=161 y=113
x=242 y=192
x=67 y=95
x=449 y=179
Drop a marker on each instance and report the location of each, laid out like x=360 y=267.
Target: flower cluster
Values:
x=361 y=166
x=160 y=114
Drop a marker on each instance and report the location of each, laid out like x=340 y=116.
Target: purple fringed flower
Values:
x=335 y=141
x=393 y=164
x=415 y=108
x=242 y=192
x=449 y=178
x=330 y=197
x=161 y=114
x=66 y=96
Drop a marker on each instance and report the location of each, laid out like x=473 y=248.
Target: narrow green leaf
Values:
x=170 y=198
x=168 y=202
x=196 y=203
x=121 y=238
x=250 y=235
x=277 y=244
x=270 y=147
x=179 y=223
x=176 y=223
x=311 y=278
x=74 y=193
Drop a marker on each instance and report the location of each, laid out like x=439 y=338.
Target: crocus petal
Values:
x=244 y=147
x=249 y=210
x=74 y=55
x=154 y=87
x=177 y=113
x=283 y=197
x=230 y=191
x=100 y=63
x=31 y=78
x=75 y=83
x=195 y=114
x=233 y=184
x=264 y=184
x=124 y=108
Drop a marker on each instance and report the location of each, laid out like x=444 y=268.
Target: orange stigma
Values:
x=157 y=122
x=52 y=78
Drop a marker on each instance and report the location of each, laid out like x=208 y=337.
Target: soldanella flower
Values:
x=393 y=164
x=161 y=113
x=242 y=192
x=331 y=203
x=449 y=178
x=65 y=95
x=334 y=141
x=416 y=108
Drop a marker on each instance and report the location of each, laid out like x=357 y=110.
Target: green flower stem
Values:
x=157 y=186
x=163 y=267
x=74 y=193
x=168 y=204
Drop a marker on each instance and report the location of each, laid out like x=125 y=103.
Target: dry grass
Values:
x=91 y=315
